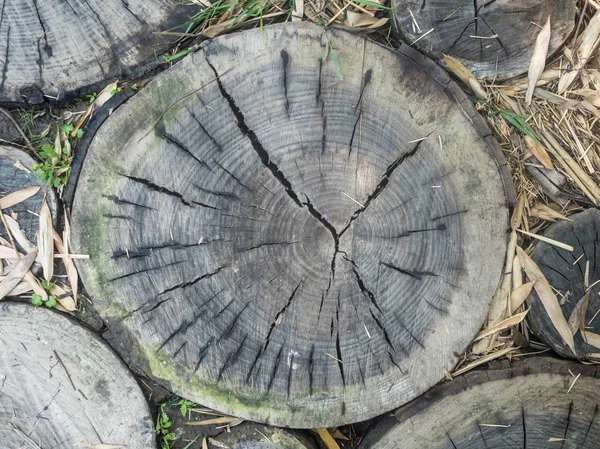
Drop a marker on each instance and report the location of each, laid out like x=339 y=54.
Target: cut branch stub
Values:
x=16 y=174
x=55 y=47
x=287 y=246
x=62 y=387
x=494 y=39
x=577 y=292
x=538 y=403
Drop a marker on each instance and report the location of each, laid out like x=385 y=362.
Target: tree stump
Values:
x=494 y=39
x=256 y=436
x=284 y=245
x=566 y=272
x=539 y=403
x=62 y=387
x=16 y=174
x=55 y=47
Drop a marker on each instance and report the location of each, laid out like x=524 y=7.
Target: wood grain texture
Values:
x=63 y=387
x=281 y=245
x=60 y=47
x=257 y=436
x=16 y=174
x=494 y=39
x=520 y=406
x=565 y=271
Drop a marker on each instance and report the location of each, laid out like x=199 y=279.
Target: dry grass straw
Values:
x=553 y=149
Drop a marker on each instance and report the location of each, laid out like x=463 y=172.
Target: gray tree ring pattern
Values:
x=62 y=387
x=287 y=246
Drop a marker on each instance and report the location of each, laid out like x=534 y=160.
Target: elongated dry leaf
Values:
x=21 y=288
x=512 y=321
x=45 y=243
x=16 y=274
x=540 y=210
x=63 y=298
x=9 y=254
x=548 y=240
x=539 y=152
x=329 y=441
x=482 y=360
x=547 y=297
x=69 y=265
x=538 y=59
x=204 y=443
x=592 y=339
x=208 y=422
x=465 y=75
x=575 y=318
x=18 y=197
x=218 y=443
x=18 y=234
x=520 y=294
x=517 y=215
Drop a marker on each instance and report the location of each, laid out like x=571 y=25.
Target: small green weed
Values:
x=163 y=429
x=185 y=406
x=36 y=299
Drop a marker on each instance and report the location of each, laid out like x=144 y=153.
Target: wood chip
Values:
x=538 y=59
x=18 y=197
x=547 y=298
x=45 y=243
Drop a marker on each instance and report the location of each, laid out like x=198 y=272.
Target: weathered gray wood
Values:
x=15 y=174
x=506 y=29
x=58 y=47
x=286 y=246
x=519 y=406
x=63 y=387
x=565 y=271
x=256 y=436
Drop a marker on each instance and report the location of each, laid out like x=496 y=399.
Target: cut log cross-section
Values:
x=62 y=387
x=576 y=277
x=291 y=247
x=53 y=47
x=493 y=38
x=536 y=403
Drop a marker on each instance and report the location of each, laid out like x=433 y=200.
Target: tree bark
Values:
x=566 y=272
x=494 y=39
x=291 y=247
x=60 y=48
x=61 y=386
x=535 y=403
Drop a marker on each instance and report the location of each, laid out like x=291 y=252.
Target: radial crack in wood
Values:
x=575 y=276
x=62 y=386
x=56 y=48
x=539 y=402
x=301 y=250
x=494 y=39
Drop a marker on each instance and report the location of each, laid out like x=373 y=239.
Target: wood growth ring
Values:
x=286 y=246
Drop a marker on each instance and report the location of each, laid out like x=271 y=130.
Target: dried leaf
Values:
x=217 y=443
x=45 y=244
x=482 y=360
x=18 y=234
x=209 y=422
x=465 y=75
x=329 y=441
x=547 y=298
x=544 y=212
x=106 y=446
x=69 y=265
x=63 y=298
x=338 y=435
x=539 y=152
x=520 y=294
x=575 y=318
x=538 y=59
x=517 y=215
x=591 y=339
x=17 y=273
x=512 y=321
x=18 y=197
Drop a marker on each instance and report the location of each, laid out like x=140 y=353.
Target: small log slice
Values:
x=286 y=246
x=56 y=47
x=538 y=403
x=62 y=387
x=566 y=272
x=494 y=39
x=16 y=173
x=256 y=436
